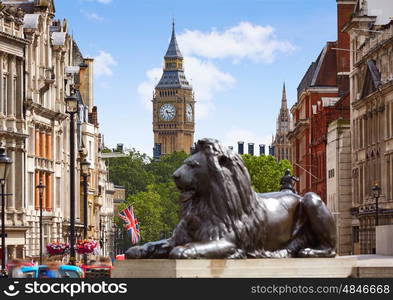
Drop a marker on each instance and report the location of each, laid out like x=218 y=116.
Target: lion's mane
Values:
x=231 y=204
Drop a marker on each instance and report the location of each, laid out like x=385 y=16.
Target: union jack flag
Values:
x=131 y=224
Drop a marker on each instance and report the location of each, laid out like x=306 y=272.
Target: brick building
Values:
x=371 y=81
x=323 y=96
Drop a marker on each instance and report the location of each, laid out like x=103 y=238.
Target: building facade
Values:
x=371 y=81
x=323 y=96
x=281 y=144
x=339 y=182
x=13 y=132
x=50 y=66
x=173 y=106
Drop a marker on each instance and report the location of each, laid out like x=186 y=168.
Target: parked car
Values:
x=65 y=271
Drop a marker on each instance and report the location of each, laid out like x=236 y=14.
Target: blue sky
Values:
x=237 y=55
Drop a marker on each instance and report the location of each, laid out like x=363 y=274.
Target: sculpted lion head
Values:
x=216 y=190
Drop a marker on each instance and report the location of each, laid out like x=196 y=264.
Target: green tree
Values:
x=169 y=195
x=166 y=165
x=148 y=211
x=265 y=172
x=131 y=172
x=151 y=191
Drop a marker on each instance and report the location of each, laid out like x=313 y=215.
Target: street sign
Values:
x=2 y=235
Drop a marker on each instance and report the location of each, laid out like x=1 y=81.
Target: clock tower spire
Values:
x=173 y=105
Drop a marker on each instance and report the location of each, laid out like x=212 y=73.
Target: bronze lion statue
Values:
x=223 y=217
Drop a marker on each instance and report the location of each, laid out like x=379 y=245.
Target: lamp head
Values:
x=376 y=190
x=72 y=103
x=41 y=187
x=5 y=163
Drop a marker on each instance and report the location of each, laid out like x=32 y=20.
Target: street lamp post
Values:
x=5 y=163
x=85 y=169
x=72 y=109
x=41 y=187
x=376 y=193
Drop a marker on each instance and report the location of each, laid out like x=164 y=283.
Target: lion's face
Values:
x=191 y=178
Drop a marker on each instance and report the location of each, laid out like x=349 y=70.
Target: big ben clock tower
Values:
x=173 y=106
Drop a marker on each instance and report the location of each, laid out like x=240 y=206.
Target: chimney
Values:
x=120 y=148
x=261 y=149
x=240 y=148
x=251 y=149
x=271 y=150
x=345 y=8
x=93 y=116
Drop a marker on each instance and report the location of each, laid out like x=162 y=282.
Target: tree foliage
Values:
x=265 y=172
x=131 y=172
x=150 y=190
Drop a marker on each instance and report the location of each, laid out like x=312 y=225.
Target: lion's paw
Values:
x=183 y=252
x=135 y=253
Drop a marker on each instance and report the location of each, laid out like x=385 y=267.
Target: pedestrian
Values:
x=53 y=269
x=105 y=261
x=17 y=269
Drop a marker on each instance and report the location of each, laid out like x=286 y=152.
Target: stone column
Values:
x=49 y=146
x=48 y=192
x=42 y=144
x=19 y=178
x=37 y=143
x=2 y=100
x=11 y=178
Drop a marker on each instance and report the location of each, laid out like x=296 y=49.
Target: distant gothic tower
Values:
x=281 y=144
x=173 y=106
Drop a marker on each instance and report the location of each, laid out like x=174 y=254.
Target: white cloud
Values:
x=236 y=134
x=245 y=40
x=205 y=77
x=146 y=88
x=103 y=64
x=206 y=80
x=94 y=16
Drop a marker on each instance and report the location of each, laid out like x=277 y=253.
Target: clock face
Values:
x=189 y=112
x=167 y=112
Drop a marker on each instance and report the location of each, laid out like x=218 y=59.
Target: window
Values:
x=355 y=234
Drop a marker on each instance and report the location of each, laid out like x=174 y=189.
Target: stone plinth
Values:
x=247 y=268
x=384 y=236
x=339 y=267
